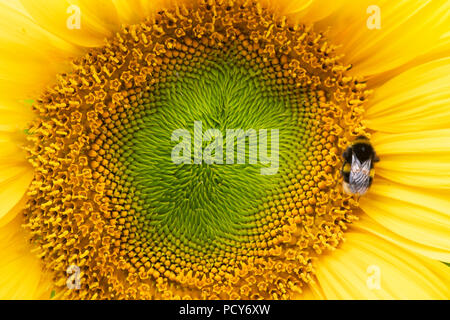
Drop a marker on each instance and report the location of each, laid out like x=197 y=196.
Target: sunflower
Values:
x=92 y=207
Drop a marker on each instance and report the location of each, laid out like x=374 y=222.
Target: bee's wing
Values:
x=359 y=175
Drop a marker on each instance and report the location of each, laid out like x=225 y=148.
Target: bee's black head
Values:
x=363 y=150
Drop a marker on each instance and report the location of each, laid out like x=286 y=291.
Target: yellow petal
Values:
x=412 y=143
x=307 y=11
x=416 y=100
x=417 y=159
x=134 y=11
x=20 y=270
x=417 y=214
x=98 y=19
x=30 y=57
x=14 y=120
x=374 y=51
x=13 y=212
x=15 y=176
x=367 y=224
x=12 y=153
x=129 y=11
x=9 y=149
x=368 y=267
x=46 y=289
x=14 y=182
x=310 y=291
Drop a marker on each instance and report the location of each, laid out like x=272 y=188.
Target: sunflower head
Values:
x=107 y=198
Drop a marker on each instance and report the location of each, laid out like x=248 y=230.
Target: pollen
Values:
x=107 y=198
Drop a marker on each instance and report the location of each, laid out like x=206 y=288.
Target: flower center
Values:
x=108 y=197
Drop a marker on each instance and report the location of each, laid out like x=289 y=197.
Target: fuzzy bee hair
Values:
x=358 y=167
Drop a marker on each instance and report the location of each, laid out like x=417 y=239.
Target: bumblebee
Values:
x=358 y=168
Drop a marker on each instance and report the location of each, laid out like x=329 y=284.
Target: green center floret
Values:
x=201 y=207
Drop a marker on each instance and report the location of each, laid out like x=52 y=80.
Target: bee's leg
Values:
x=347 y=155
x=346 y=176
x=375 y=158
x=345 y=171
x=346 y=166
x=371 y=175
